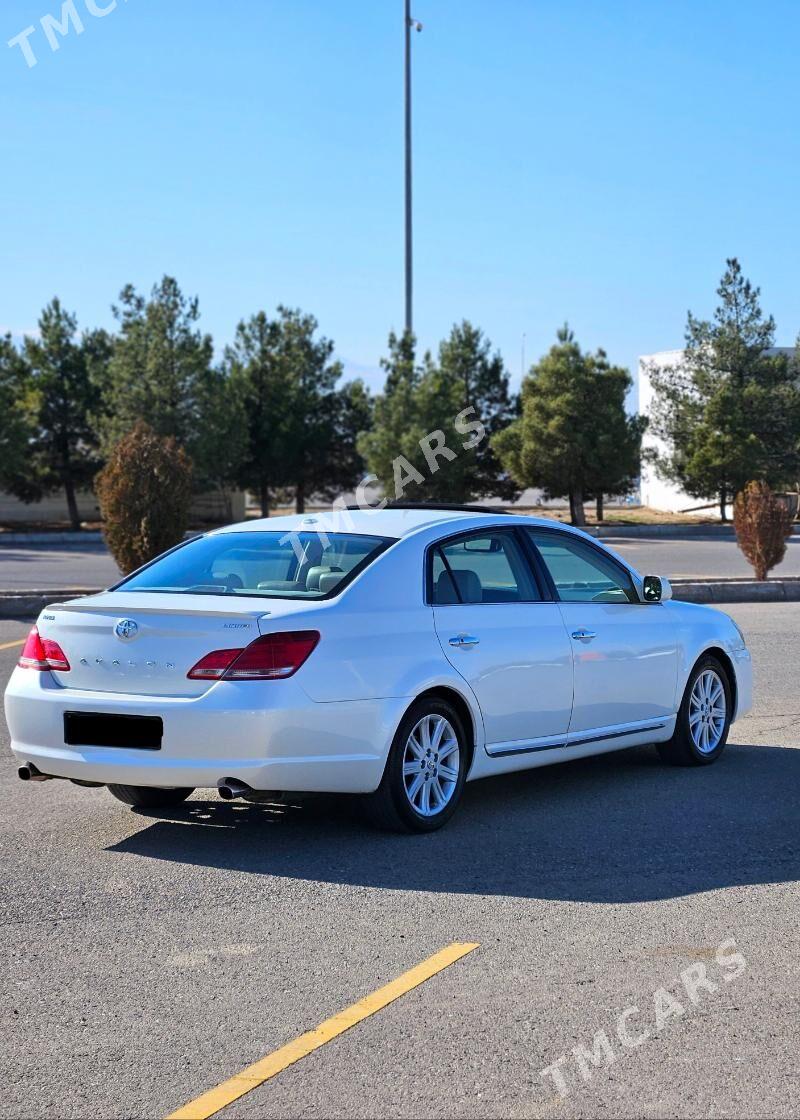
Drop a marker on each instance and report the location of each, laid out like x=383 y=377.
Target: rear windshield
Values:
x=267 y=565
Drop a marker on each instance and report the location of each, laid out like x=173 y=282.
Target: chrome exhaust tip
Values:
x=29 y=773
x=229 y=789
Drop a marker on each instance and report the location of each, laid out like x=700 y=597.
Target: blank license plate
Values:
x=98 y=729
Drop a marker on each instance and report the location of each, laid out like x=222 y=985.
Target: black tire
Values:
x=681 y=749
x=148 y=797
x=390 y=807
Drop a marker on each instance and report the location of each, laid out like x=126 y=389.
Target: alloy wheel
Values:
x=431 y=765
x=707 y=711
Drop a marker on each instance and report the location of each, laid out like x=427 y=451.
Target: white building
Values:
x=655 y=491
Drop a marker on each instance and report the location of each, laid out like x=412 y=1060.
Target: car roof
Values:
x=387 y=522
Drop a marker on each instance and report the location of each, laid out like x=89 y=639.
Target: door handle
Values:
x=583 y=635
x=464 y=640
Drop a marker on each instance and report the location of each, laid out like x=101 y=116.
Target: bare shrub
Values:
x=145 y=491
x=762 y=522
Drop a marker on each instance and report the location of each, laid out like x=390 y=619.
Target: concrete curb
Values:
x=28 y=604
x=670 y=532
x=673 y=532
x=737 y=590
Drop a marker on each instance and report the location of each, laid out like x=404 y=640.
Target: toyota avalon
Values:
x=394 y=653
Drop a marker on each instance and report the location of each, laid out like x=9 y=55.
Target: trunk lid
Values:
x=144 y=643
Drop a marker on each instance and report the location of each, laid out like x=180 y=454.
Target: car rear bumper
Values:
x=267 y=734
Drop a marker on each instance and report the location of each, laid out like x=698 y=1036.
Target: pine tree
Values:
x=219 y=443
x=729 y=411
x=573 y=438
x=434 y=421
x=392 y=447
x=63 y=390
x=16 y=414
x=258 y=382
x=160 y=364
x=301 y=426
x=469 y=382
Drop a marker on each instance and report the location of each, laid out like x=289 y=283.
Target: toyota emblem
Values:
x=126 y=629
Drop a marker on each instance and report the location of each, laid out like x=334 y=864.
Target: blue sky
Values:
x=575 y=159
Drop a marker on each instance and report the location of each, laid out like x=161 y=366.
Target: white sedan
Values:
x=395 y=653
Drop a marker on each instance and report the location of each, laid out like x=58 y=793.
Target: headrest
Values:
x=328 y=580
x=313 y=575
x=468 y=583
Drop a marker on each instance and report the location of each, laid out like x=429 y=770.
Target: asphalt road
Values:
x=696 y=558
x=63 y=565
x=146 y=959
x=48 y=566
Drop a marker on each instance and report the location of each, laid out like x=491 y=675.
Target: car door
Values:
x=625 y=651
x=500 y=632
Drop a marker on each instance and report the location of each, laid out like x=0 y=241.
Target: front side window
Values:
x=581 y=573
x=485 y=568
x=264 y=565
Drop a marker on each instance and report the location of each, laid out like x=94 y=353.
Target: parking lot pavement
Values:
x=145 y=959
x=694 y=558
x=57 y=565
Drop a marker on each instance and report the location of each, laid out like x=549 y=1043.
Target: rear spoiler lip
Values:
x=86 y=606
x=247 y=608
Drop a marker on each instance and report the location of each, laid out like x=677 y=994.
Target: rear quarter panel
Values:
x=379 y=642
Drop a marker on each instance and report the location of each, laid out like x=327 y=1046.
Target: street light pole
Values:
x=411 y=25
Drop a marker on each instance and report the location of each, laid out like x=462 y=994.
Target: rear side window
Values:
x=481 y=568
x=581 y=573
x=264 y=565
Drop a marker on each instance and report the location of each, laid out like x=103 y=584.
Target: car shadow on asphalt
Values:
x=614 y=828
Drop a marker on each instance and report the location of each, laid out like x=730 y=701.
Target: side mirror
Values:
x=656 y=589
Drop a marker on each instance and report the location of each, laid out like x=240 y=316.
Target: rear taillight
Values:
x=43 y=654
x=271 y=657
x=213 y=665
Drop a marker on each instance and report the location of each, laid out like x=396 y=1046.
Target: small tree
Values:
x=762 y=523
x=145 y=492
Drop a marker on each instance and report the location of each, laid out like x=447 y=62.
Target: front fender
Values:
x=701 y=630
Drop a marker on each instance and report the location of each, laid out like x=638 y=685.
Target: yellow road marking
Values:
x=250 y=1078
x=10 y=645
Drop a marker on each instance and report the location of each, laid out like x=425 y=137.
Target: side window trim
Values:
x=557 y=534
x=541 y=574
x=539 y=588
